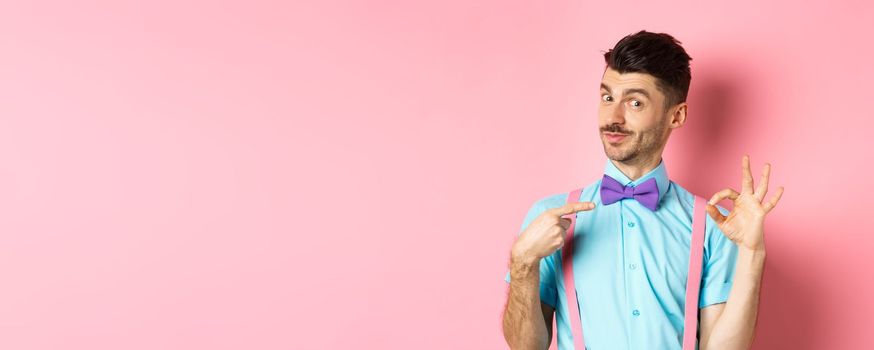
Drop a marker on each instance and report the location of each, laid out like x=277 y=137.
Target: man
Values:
x=631 y=256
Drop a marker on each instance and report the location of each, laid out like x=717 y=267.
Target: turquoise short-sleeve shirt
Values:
x=631 y=264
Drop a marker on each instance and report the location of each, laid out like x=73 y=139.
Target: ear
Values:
x=678 y=115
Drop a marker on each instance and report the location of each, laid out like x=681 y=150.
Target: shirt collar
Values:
x=660 y=173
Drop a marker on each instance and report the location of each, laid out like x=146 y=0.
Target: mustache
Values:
x=615 y=128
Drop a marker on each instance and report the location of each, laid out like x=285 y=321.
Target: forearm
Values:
x=524 y=326
x=735 y=328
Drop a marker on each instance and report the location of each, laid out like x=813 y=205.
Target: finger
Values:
x=762 y=189
x=571 y=208
x=747 y=184
x=726 y=193
x=564 y=223
x=714 y=213
x=774 y=199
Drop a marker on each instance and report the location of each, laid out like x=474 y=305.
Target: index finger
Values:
x=571 y=208
x=747 y=183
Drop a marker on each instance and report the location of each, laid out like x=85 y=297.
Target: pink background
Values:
x=337 y=175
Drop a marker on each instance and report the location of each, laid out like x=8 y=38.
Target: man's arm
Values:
x=708 y=317
x=745 y=226
x=735 y=322
x=524 y=323
x=523 y=329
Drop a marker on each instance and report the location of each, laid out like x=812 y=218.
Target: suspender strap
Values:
x=693 y=283
x=567 y=266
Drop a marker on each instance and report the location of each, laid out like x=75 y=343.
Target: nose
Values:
x=616 y=114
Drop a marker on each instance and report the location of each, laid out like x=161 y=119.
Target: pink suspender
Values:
x=693 y=283
x=567 y=266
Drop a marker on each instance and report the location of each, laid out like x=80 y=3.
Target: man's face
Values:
x=631 y=117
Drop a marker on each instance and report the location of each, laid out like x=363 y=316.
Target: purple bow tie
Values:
x=646 y=193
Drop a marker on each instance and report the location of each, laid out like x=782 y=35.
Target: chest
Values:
x=632 y=248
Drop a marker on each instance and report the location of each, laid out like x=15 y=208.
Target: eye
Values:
x=606 y=98
x=636 y=103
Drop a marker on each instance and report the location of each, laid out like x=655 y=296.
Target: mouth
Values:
x=613 y=137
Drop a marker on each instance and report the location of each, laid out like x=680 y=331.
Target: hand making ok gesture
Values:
x=744 y=225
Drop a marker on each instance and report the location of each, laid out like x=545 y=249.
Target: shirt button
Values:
x=632 y=266
x=630 y=224
x=635 y=312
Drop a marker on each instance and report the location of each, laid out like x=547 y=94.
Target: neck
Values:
x=634 y=169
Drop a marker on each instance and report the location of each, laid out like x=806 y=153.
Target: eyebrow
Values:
x=627 y=92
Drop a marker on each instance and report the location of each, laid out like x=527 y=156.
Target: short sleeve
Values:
x=720 y=255
x=548 y=293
